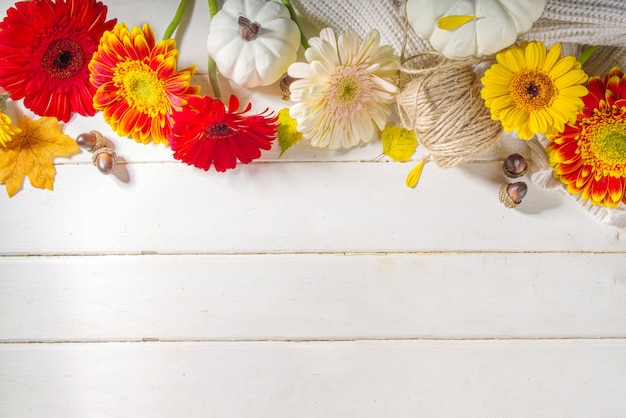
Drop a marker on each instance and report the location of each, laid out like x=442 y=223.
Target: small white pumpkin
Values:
x=463 y=28
x=253 y=41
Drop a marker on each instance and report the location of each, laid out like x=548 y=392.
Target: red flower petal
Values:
x=621 y=90
x=599 y=189
x=616 y=188
x=45 y=48
x=595 y=85
x=206 y=134
x=612 y=85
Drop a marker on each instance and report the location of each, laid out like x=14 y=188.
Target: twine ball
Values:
x=442 y=103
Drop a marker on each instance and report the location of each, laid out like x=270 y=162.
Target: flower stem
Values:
x=215 y=85
x=586 y=54
x=212 y=69
x=294 y=17
x=213 y=9
x=176 y=20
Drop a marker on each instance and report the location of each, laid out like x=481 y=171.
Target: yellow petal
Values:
x=562 y=66
x=572 y=78
x=415 y=174
x=552 y=57
x=535 y=54
x=453 y=22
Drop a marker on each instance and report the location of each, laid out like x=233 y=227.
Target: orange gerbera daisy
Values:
x=589 y=157
x=45 y=47
x=138 y=86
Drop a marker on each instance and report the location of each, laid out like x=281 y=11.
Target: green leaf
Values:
x=287 y=131
x=398 y=143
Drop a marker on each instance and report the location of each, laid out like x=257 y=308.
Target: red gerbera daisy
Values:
x=45 y=48
x=206 y=133
x=589 y=156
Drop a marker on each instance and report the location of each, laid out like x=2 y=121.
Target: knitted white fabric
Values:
x=387 y=16
x=595 y=22
x=577 y=22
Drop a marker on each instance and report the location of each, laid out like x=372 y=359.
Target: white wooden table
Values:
x=316 y=284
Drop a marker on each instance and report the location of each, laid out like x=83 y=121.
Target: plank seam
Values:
x=309 y=340
x=277 y=253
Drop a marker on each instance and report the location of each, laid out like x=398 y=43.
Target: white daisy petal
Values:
x=328 y=35
x=299 y=70
x=386 y=85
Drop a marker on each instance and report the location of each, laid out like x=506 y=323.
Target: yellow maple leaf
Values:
x=31 y=153
x=287 y=131
x=398 y=143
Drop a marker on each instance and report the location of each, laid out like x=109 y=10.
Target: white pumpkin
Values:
x=253 y=41
x=463 y=28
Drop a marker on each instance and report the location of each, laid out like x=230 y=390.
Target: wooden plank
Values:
x=295 y=297
x=575 y=378
x=303 y=207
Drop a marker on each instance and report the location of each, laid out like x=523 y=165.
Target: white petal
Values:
x=299 y=70
x=385 y=85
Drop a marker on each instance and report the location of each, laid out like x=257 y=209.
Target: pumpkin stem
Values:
x=249 y=30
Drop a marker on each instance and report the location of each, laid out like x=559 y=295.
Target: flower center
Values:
x=348 y=91
x=532 y=90
x=63 y=58
x=141 y=87
x=606 y=147
x=218 y=131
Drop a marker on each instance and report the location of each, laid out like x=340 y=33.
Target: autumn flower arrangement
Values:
x=66 y=56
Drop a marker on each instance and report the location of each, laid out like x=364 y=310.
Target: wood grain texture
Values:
x=548 y=379
x=304 y=207
x=308 y=297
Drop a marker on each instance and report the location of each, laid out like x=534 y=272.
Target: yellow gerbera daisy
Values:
x=532 y=90
x=7 y=129
x=344 y=92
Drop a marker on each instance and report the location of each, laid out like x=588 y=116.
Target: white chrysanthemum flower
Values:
x=343 y=94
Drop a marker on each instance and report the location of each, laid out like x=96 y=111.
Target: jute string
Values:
x=441 y=102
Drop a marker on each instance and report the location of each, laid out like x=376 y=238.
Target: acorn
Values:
x=283 y=85
x=514 y=166
x=104 y=158
x=86 y=141
x=512 y=194
x=90 y=141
